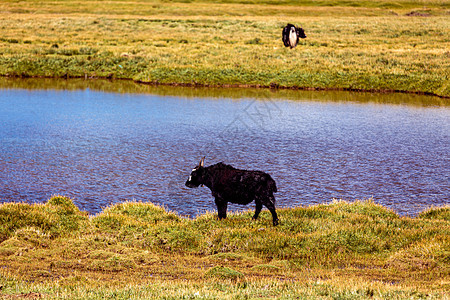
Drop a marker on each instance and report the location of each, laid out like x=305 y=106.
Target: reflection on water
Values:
x=127 y=86
x=103 y=142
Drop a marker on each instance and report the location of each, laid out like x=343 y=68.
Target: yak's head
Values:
x=301 y=33
x=196 y=177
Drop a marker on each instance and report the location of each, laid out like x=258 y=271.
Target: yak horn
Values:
x=202 y=162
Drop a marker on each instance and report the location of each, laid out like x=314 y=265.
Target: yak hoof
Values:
x=275 y=222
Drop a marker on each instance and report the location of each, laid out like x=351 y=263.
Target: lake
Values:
x=101 y=142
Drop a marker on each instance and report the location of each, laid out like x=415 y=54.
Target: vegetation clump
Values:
x=339 y=249
x=224 y=273
x=58 y=217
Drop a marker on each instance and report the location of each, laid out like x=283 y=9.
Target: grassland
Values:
x=141 y=251
x=382 y=45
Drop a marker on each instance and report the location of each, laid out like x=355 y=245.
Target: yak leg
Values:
x=258 y=208
x=221 y=208
x=270 y=204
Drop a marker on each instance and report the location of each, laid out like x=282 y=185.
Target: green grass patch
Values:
x=59 y=216
x=436 y=213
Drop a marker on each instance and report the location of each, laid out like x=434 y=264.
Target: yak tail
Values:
x=271 y=184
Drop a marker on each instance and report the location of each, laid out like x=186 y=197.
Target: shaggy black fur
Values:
x=299 y=32
x=229 y=184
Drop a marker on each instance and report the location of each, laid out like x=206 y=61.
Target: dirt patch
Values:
x=418 y=14
x=23 y=296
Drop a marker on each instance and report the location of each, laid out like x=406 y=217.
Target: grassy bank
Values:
x=140 y=251
x=364 y=45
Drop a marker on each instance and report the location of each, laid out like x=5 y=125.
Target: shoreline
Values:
x=251 y=86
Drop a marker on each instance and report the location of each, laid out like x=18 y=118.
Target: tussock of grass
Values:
x=436 y=213
x=224 y=273
x=138 y=250
x=141 y=212
x=59 y=216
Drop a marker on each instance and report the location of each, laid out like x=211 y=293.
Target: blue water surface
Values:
x=101 y=148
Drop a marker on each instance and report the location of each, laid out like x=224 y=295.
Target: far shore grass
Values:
x=136 y=250
x=366 y=45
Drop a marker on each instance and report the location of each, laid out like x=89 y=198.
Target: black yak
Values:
x=291 y=34
x=228 y=184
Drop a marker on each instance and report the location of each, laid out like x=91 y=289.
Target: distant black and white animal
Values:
x=291 y=35
x=228 y=184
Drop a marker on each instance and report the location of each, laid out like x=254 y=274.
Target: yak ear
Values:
x=202 y=162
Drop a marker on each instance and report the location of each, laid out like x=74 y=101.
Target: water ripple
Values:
x=103 y=148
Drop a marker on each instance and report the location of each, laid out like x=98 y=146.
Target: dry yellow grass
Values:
x=371 y=47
